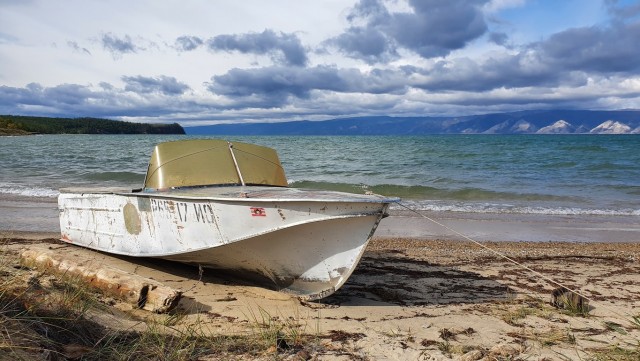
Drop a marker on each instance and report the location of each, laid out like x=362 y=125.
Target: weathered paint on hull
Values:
x=308 y=247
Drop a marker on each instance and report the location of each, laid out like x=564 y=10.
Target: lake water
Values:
x=553 y=175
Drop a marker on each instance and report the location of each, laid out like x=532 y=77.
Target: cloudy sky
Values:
x=206 y=62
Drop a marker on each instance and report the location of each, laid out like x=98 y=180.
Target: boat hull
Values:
x=302 y=245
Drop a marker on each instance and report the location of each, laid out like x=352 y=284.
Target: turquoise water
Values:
x=520 y=174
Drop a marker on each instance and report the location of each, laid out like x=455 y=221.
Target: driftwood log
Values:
x=142 y=292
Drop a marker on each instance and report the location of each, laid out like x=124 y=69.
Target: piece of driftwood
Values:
x=564 y=298
x=142 y=292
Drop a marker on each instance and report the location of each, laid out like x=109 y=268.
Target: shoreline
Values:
x=40 y=214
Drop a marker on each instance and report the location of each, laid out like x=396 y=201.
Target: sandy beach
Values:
x=414 y=299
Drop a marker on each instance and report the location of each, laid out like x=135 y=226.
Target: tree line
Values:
x=17 y=124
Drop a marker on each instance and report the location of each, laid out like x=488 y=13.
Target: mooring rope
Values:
x=626 y=316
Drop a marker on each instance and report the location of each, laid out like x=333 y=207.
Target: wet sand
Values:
x=413 y=299
x=512 y=227
x=28 y=214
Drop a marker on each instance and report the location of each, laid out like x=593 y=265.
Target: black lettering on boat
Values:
x=210 y=210
x=198 y=209
x=182 y=211
x=167 y=209
x=204 y=213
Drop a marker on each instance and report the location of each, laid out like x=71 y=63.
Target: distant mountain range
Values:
x=522 y=122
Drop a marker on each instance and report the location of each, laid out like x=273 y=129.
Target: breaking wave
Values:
x=491 y=208
x=26 y=191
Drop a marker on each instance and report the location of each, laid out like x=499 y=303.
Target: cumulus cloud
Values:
x=276 y=85
x=508 y=72
x=188 y=43
x=370 y=45
x=283 y=48
x=64 y=96
x=163 y=84
x=145 y=97
x=70 y=94
x=433 y=28
x=438 y=27
x=623 y=12
x=106 y=86
x=570 y=58
x=118 y=45
x=602 y=50
x=498 y=38
x=12 y=95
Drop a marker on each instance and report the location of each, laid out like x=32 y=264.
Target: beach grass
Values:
x=58 y=317
x=616 y=353
x=60 y=322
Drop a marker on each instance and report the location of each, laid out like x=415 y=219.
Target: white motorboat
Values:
x=228 y=206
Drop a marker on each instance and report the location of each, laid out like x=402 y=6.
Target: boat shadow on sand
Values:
x=384 y=278
x=381 y=279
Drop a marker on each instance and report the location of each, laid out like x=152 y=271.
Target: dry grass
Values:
x=554 y=336
x=49 y=317
x=615 y=353
x=53 y=319
x=515 y=311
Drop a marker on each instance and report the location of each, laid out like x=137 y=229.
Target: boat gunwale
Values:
x=169 y=194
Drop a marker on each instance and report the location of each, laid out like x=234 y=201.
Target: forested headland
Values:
x=25 y=125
